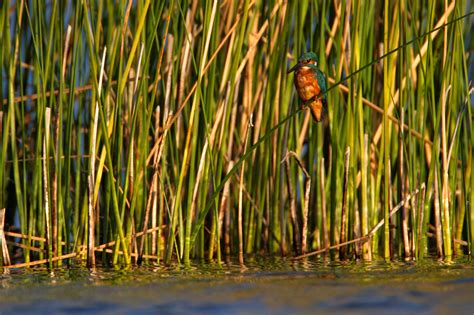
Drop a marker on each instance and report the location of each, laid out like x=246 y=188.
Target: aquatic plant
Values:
x=165 y=131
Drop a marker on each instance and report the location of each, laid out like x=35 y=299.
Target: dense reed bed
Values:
x=167 y=131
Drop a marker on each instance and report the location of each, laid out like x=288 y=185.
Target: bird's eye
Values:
x=307 y=60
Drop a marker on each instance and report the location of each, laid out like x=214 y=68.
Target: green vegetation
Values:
x=167 y=131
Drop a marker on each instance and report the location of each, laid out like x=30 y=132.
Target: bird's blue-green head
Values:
x=308 y=59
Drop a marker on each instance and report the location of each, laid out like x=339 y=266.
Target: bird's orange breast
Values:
x=306 y=84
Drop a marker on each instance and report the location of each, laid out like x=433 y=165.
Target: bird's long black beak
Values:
x=295 y=67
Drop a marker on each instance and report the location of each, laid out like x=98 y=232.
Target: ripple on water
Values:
x=269 y=285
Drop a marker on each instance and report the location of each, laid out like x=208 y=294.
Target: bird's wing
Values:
x=323 y=87
x=321 y=81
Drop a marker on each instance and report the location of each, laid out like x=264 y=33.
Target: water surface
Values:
x=265 y=286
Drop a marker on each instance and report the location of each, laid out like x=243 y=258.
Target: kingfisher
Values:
x=310 y=84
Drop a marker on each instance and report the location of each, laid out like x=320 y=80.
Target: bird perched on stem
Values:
x=310 y=84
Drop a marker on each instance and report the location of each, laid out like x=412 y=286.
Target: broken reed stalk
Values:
x=305 y=204
x=241 y=189
x=152 y=203
x=342 y=237
x=391 y=221
x=305 y=211
x=154 y=186
x=157 y=170
x=91 y=177
x=3 y=240
x=91 y=221
x=402 y=180
x=323 y=206
x=437 y=214
x=293 y=214
x=369 y=235
x=366 y=248
x=223 y=213
x=151 y=198
x=255 y=206
x=239 y=218
x=45 y=185
x=421 y=211
x=81 y=250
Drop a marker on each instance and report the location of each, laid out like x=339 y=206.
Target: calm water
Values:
x=267 y=286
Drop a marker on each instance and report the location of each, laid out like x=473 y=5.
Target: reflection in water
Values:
x=266 y=286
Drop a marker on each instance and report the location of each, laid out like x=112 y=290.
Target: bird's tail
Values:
x=318 y=109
